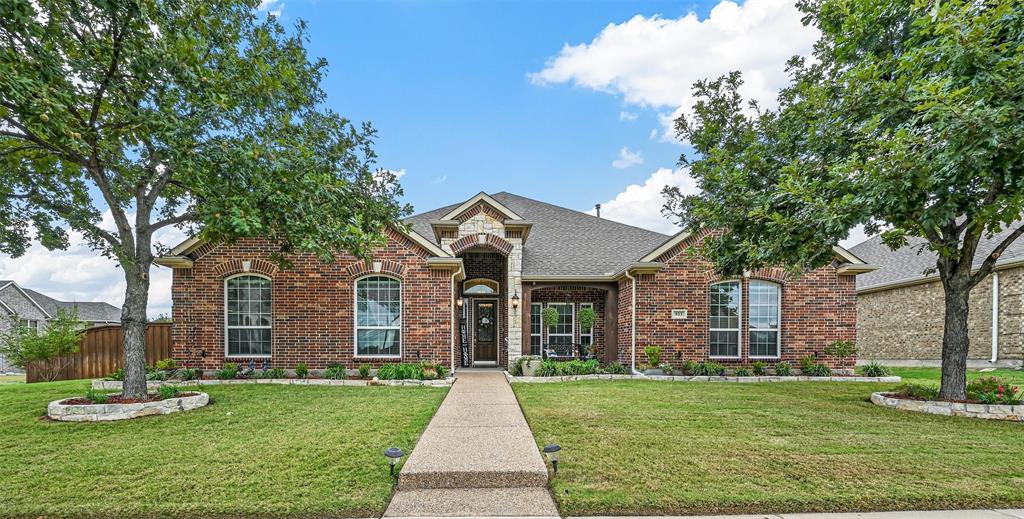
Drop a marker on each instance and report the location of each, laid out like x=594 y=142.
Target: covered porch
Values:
x=568 y=339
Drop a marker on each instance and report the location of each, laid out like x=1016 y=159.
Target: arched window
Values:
x=378 y=317
x=725 y=319
x=247 y=312
x=763 y=301
x=480 y=286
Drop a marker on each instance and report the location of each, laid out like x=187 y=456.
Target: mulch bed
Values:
x=120 y=399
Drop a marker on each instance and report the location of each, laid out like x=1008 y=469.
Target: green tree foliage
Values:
x=48 y=350
x=909 y=120
x=205 y=115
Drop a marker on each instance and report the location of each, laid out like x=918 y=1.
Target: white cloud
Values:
x=640 y=205
x=628 y=116
x=627 y=158
x=273 y=7
x=440 y=179
x=653 y=62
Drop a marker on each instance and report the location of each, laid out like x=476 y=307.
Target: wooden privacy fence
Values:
x=102 y=352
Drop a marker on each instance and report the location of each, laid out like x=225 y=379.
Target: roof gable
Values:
x=481 y=198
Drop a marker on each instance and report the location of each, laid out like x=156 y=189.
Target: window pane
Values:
x=764 y=344
x=377 y=342
x=725 y=305
x=725 y=343
x=764 y=319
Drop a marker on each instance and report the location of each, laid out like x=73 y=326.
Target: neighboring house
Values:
x=480 y=272
x=34 y=310
x=900 y=309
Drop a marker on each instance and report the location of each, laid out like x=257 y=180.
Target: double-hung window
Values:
x=764 y=335
x=378 y=317
x=560 y=335
x=725 y=319
x=536 y=328
x=248 y=316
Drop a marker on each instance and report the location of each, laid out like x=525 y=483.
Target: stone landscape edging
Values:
x=117 y=385
x=110 y=412
x=1013 y=413
x=681 y=378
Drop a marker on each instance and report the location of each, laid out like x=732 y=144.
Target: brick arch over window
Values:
x=236 y=266
x=365 y=267
x=773 y=274
x=490 y=241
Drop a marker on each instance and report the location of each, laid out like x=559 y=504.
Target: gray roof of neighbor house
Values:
x=87 y=311
x=908 y=264
x=564 y=242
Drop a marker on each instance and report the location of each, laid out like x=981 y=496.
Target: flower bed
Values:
x=973 y=410
x=117 y=384
x=671 y=378
x=81 y=409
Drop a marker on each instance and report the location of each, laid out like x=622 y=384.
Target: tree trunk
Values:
x=133 y=320
x=955 y=341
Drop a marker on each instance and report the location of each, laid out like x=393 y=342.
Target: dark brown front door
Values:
x=485 y=316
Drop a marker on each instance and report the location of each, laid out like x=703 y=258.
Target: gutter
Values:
x=995 y=317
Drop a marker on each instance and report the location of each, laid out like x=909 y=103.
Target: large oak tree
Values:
x=207 y=115
x=909 y=119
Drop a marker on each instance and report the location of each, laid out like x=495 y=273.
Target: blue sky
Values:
x=568 y=102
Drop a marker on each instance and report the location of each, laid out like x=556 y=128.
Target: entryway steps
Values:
x=473 y=502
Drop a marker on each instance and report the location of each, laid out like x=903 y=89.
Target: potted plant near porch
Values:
x=587 y=317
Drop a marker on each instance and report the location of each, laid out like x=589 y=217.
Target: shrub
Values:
x=874 y=369
x=228 y=372
x=335 y=372
x=689 y=367
x=783 y=369
x=806 y=362
x=615 y=368
x=586 y=317
x=653 y=355
x=743 y=372
x=432 y=371
x=516 y=368
x=118 y=374
x=992 y=390
x=818 y=370
x=708 y=369
x=550 y=316
x=95 y=396
x=274 y=373
x=364 y=371
x=187 y=374
x=400 y=372
x=168 y=391
x=167 y=365
x=759 y=368
x=918 y=391
x=667 y=369
x=157 y=374
x=552 y=368
x=301 y=370
x=841 y=349
x=50 y=350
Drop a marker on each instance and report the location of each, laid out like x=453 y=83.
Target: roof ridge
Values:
x=582 y=213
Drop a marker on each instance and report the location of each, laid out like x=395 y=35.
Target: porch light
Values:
x=515 y=300
x=551 y=451
x=458 y=302
x=393 y=454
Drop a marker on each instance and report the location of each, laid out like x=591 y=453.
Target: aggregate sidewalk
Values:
x=477 y=458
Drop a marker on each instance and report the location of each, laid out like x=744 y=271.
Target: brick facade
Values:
x=906 y=323
x=312 y=305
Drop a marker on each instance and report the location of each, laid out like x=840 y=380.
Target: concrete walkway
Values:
x=477 y=458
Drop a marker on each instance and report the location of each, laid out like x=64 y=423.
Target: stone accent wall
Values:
x=906 y=323
x=817 y=308
x=576 y=296
x=312 y=305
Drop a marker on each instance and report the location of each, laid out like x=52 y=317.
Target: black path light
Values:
x=551 y=451
x=394 y=454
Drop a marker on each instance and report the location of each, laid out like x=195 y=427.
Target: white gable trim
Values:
x=665 y=247
x=482 y=197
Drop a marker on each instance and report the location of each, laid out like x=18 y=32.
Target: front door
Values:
x=485 y=316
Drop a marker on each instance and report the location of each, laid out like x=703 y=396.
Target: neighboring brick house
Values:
x=466 y=285
x=32 y=309
x=900 y=309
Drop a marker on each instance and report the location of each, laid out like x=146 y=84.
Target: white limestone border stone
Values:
x=117 y=385
x=674 y=378
x=1012 y=413
x=58 y=410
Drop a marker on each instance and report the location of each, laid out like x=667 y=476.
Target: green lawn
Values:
x=12 y=379
x=932 y=375
x=640 y=447
x=257 y=450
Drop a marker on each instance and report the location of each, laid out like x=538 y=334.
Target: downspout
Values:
x=995 y=317
x=455 y=316
x=632 y=324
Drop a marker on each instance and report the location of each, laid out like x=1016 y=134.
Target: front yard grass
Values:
x=656 y=448
x=258 y=450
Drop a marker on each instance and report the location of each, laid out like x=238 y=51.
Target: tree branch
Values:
x=175 y=220
x=990 y=261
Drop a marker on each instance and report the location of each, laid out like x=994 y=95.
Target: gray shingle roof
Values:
x=87 y=311
x=564 y=242
x=909 y=263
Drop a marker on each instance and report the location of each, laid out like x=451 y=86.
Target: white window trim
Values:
x=485 y=281
x=739 y=322
x=778 y=330
x=572 y=322
x=355 y=319
x=590 y=332
x=540 y=316
x=228 y=355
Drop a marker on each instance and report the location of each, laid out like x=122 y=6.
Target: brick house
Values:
x=465 y=285
x=900 y=307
